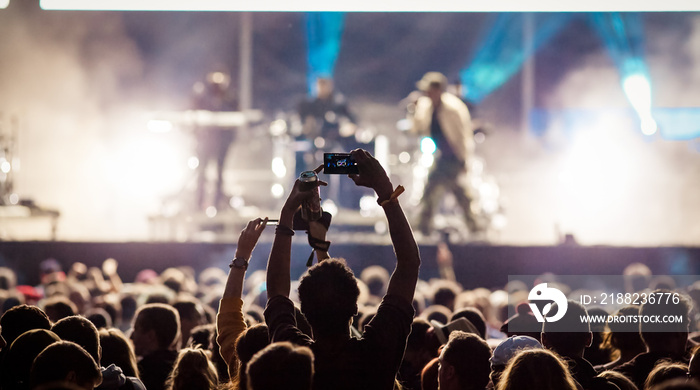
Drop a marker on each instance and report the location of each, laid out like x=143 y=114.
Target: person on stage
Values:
x=213 y=142
x=329 y=126
x=443 y=117
x=327 y=116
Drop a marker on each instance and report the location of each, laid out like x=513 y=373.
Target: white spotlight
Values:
x=329 y=205
x=278 y=167
x=427 y=145
x=649 y=126
x=193 y=162
x=278 y=128
x=159 y=126
x=638 y=91
x=277 y=190
x=368 y=205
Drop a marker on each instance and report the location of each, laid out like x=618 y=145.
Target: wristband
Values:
x=394 y=198
x=316 y=244
x=284 y=230
x=240 y=263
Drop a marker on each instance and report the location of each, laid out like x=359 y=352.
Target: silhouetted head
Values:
x=156 y=327
x=281 y=366
x=21 y=354
x=20 y=319
x=464 y=362
x=117 y=350
x=536 y=369
x=81 y=331
x=328 y=294
x=65 y=361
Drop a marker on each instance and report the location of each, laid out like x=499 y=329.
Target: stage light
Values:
x=623 y=36
x=147 y=165
x=427 y=146
x=427 y=160
x=210 y=211
x=4 y=3
x=159 y=126
x=502 y=53
x=600 y=175
x=649 y=125
x=193 y=162
x=5 y=166
x=404 y=157
x=278 y=128
x=368 y=205
x=278 y=167
x=236 y=202
x=638 y=91
x=330 y=206
x=277 y=190
x=380 y=227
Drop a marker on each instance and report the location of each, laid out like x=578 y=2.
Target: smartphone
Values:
x=339 y=163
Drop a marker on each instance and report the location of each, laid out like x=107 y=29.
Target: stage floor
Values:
x=476 y=264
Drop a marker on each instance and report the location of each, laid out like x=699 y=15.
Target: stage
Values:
x=476 y=265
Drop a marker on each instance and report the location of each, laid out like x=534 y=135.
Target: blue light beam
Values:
x=623 y=36
x=324 y=31
x=502 y=53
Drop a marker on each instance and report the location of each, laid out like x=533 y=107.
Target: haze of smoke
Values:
x=63 y=75
x=656 y=205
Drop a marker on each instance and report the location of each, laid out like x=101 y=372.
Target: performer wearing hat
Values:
x=445 y=118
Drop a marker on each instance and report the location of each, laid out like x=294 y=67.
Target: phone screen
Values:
x=339 y=163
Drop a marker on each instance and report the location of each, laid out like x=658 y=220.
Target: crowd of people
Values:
x=87 y=329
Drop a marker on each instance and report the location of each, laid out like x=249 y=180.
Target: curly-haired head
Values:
x=328 y=294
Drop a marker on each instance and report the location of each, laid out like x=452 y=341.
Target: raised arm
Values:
x=278 y=265
x=372 y=175
x=229 y=320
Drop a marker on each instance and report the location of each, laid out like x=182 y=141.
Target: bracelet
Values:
x=319 y=244
x=284 y=230
x=239 y=263
x=394 y=198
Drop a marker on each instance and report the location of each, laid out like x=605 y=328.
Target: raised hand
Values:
x=249 y=237
x=372 y=174
x=297 y=196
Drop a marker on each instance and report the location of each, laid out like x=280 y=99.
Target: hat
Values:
x=146 y=276
x=30 y=293
x=50 y=265
x=432 y=78
x=443 y=331
x=511 y=346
